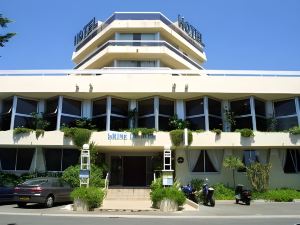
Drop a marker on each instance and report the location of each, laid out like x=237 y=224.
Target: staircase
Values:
x=128 y=193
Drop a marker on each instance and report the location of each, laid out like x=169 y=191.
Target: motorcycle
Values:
x=242 y=194
x=208 y=195
x=189 y=192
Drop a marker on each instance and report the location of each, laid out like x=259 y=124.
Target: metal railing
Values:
x=106 y=182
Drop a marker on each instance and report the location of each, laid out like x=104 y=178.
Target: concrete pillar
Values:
x=180 y=109
x=205 y=106
x=41 y=106
x=38 y=161
x=269 y=109
x=132 y=105
x=13 y=112
x=156 y=112
x=87 y=109
x=59 y=111
x=225 y=106
x=108 y=112
x=252 y=108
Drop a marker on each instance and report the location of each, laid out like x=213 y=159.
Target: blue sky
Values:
x=238 y=34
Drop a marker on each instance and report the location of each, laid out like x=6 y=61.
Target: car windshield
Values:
x=35 y=182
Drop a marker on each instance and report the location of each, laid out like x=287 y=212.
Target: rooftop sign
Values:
x=85 y=31
x=189 y=29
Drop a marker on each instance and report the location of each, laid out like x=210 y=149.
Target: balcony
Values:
x=125 y=140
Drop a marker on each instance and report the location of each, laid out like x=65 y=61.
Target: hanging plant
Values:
x=177 y=137
x=79 y=136
x=246 y=132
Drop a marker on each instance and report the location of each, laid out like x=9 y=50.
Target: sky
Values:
x=238 y=34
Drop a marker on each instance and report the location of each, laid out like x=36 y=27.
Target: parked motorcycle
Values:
x=208 y=195
x=242 y=195
x=189 y=192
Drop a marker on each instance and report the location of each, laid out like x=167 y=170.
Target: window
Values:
x=136 y=63
x=204 y=163
x=166 y=110
x=195 y=114
x=260 y=115
x=5 y=116
x=119 y=114
x=16 y=158
x=285 y=114
x=292 y=161
x=99 y=114
x=146 y=113
x=242 y=112
x=24 y=110
x=60 y=159
x=214 y=114
x=51 y=113
x=71 y=111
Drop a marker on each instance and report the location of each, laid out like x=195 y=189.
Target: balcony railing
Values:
x=143 y=43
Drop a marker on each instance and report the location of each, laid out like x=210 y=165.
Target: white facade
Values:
x=144 y=61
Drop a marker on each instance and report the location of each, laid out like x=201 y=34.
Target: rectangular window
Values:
x=119 y=107
x=51 y=105
x=204 y=163
x=261 y=123
x=241 y=107
x=71 y=157
x=100 y=122
x=24 y=158
x=71 y=107
x=166 y=107
x=197 y=123
x=147 y=122
x=194 y=107
x=292 y=161
x=7 y=105
x=118 y=123
x=163 y=123
x=146 y=107
x=99 y=107
x=285 y=108
x=53 y=159
x=26 y=106
x=243 y=122
x=215 y=123
x=286 y=123
x=214 y=107
x=22 y=121
x=260 y=108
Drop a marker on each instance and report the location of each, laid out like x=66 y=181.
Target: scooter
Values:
x=189 y=192
x=242 y=194
x=208 y=195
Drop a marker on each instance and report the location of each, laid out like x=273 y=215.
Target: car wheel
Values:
x=21 y=204
x=49 y=201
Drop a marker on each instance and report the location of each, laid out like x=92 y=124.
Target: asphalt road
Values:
x=224 y=213
x=46 y=220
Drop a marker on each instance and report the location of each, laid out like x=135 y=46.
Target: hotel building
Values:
x=146 y=63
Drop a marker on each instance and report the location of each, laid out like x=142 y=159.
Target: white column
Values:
x=205 y=105
x=156 y=112
x=132 y=105
x=41 y=106
x=108 y=113
x=87 y=109
x=297 y=109
x=252 y=107
x=13 y=112
x=225 y=106
x=180 y=109
x=269 y=109
x=59 y=111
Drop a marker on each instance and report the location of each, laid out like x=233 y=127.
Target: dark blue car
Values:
x=6 y=192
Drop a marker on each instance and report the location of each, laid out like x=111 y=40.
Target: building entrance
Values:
x=133 y=170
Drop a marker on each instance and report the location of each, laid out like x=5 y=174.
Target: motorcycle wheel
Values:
x=212 y=202
x=247 y=202
x=237 y=201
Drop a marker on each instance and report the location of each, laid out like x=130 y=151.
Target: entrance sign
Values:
x=117 y=136
x=189 y=29
x=167 y=178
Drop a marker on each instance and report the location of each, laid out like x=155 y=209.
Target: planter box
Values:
x=80 y=205
x=167 y=205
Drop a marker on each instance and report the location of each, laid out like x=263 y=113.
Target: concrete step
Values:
x=128 y=194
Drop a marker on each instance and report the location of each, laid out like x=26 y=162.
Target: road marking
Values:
x=155 y=216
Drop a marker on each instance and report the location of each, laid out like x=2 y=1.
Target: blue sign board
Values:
x=84 y=174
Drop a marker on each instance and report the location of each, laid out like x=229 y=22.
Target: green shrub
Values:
x=22 y=130
x=199 y=131
x=92 y=196
x=197 y=184
x=172 y=193
x=9 y=178
x=71 y=176
x=245 y=132
x=156 y=184
x=222 y=192
x=278 y=195
x=258 y=175
x=294 y=130
x=142 y=131
x=39 y=132
x=79 y=136
x=177 y=137
x=217 y=131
